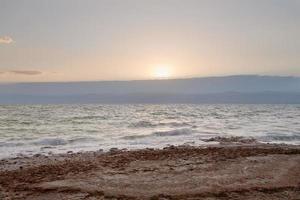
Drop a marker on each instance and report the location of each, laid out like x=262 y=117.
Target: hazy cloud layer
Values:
x=26 y=72
x=5 y=40
x=23 y=72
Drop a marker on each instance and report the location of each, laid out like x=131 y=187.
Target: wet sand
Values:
x=226 y=171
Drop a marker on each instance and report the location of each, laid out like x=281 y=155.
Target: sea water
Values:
x=31 y=129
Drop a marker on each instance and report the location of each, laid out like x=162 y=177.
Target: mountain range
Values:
x=227 y=89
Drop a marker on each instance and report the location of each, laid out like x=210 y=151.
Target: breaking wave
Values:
x=176 y=132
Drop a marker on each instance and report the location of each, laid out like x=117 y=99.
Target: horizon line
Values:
x=153 y=79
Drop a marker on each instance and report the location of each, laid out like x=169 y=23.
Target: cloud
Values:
x=5 y=40
x=26 y=72
x=22 y=72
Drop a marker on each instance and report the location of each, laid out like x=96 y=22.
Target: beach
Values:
x=234 y=169
x=149 y=100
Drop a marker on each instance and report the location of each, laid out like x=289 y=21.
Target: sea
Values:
x=27 y=130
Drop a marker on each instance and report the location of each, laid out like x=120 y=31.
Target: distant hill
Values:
x=227 y=89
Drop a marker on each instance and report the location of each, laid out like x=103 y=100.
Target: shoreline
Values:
x=229 y=170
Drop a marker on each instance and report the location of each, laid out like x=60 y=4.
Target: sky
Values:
x=88 y=40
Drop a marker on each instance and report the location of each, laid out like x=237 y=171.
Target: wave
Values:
x=89 y=117
x=148 y=124
x=175 y=124
x=184 y=131
x=176 y=132
x=60 y=141
x=82 y=119
x=134 y=137
x=282 y=137
x=11 y=144
x=81 y=139
x=142 y=124
x=51 y=142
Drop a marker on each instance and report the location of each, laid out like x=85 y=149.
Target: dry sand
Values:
x=227 y=171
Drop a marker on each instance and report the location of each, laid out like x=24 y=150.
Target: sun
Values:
x=162 y=71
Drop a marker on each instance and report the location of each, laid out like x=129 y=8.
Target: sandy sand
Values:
x=226 y=171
